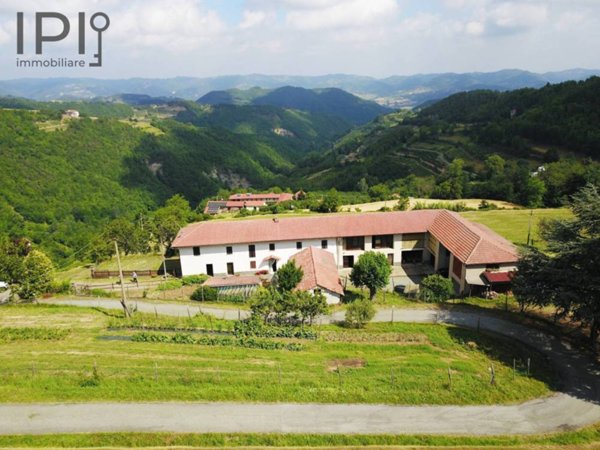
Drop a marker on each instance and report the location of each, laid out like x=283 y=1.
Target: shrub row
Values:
x=225 y=341
x=256 y=328
x=29 y=334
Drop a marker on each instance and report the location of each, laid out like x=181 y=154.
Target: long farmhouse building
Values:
x=470 y=253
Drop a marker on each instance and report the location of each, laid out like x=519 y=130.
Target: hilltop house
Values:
x=71 y=114
x=452 y=245
x=252 y=202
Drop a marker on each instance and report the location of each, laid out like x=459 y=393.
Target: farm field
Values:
x=469 y=202
x=60 y=353
x=514 y=224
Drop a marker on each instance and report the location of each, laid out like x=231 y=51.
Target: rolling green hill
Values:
x=59 y=187
x=565 y=115
x=556 y=127
x=292 y=132
x=329 y=101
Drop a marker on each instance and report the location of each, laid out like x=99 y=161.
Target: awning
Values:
x=475 y=280
x=498 y=277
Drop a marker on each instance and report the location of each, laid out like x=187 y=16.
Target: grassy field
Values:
x=129 y=262
x=587 y=438
x=514 y=224
x=469 y=202
x=387 y=363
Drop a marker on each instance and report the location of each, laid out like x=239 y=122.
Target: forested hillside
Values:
x=330 y=101
x=563 y=115
x=292 y=132
x=60 y=187
x=528 y=146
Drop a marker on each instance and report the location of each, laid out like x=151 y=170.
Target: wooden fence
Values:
x=126 y=273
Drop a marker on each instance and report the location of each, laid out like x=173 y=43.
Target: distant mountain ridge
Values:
x=329 y=101
x=394 y=91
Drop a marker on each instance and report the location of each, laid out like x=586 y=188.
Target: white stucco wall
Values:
x=218 y=257
x=331 y=297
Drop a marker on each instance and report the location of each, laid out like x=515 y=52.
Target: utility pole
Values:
x=164 y=264
x=529 y=229
x=123 y=300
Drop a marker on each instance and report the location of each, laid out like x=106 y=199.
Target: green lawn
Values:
x=587 y=438
x=387 y=363
x=514 y=224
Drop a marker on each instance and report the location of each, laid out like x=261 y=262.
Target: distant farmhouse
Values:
x=252 y=202
x=472 y=255
x=71 y=114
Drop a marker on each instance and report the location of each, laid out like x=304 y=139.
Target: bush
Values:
x=169 y=285
x=450 y=206
x=205 y=294
x=194 y=279
x=436 y=288
x=256 y=328
x=95 y=292
x=225 y=341
x=33 y=334
x=359 y=313
x=61 y=287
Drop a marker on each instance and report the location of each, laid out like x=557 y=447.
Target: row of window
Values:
x=350 y=243
x=252 y=248
x=408 y=257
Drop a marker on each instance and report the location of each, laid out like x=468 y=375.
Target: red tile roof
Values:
x=303 y=228
x=249 y=280
x=244 y=203
x=498 y=277
x=270 y=196
x=471 y=243
x=320 y=270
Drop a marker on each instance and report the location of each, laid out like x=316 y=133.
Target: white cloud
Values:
x=475 y=28
x=4 y=36
x=518 y=15
x=178 y=26
x=380 y=37
x=251 y=19
x=323 y=14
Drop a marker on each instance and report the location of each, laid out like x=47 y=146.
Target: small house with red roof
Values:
x=320 y=273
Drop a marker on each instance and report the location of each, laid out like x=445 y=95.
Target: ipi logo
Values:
x=99 y=23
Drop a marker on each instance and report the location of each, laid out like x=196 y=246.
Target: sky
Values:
x=379 y=38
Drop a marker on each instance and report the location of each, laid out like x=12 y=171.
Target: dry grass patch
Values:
x=350 y=363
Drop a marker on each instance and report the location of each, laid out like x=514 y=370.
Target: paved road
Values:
x=577 y=405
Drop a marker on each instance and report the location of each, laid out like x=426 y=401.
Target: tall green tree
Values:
x=568 y=276
x=11 y=260
x=288 y=276
x=37 y=275
x=372 y=270
x=330 y=202
x=168 y=220
x=310 y=305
